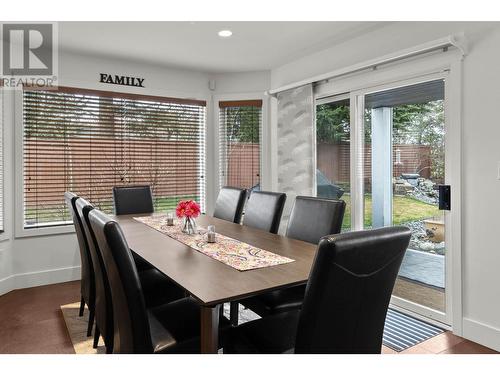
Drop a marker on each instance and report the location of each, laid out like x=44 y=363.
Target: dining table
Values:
x=211 y=282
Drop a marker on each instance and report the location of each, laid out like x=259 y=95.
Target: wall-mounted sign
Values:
x=121 y=80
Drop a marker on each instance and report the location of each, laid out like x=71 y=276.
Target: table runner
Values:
x=230 y=251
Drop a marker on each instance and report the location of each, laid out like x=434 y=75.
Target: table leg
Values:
x=210 y=329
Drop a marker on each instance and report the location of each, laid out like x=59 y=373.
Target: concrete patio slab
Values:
x=423 y=267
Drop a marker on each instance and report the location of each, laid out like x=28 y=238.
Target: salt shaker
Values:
x=211 y=234
x=170 y=219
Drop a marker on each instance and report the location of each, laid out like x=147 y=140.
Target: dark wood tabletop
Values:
x=211 y=281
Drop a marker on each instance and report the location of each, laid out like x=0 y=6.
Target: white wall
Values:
x=481 y=152
x=247 y=82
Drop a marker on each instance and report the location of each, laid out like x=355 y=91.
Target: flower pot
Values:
x=435 y=229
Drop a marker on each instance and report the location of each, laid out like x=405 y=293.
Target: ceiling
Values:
x=195 y=45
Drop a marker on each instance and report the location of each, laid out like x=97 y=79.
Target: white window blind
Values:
x=88 y=141
x=239 y=143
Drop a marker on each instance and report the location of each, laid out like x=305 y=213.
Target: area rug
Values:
x=77 y=329
x=230 y=251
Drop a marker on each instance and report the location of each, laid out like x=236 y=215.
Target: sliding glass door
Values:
x=390 y=142
x=404 y=165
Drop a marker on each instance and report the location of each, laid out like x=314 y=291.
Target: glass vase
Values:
x=189 y=226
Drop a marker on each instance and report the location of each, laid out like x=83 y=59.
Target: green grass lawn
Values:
x=404 y=208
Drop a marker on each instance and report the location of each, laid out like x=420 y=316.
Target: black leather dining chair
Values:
x=264 y=210
x=157 y=288
x=87 y=279
x=345 y=304
x=310 y=220
x=230 y=203
x=169 y=328
x=129 y=200
x=133 y=200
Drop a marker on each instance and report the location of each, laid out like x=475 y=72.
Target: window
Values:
x=239 y=143
x=333 y=150
x=88 y=141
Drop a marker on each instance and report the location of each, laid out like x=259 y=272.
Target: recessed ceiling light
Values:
x=225 y=33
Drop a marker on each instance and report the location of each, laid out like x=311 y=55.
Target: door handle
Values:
x=444 y=197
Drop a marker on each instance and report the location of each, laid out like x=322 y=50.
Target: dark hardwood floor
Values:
x=31 y=321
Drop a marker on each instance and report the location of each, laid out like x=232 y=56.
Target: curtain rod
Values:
x=457 y=41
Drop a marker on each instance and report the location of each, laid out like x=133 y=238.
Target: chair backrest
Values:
x=103 y=303
x=230 y=203
x=264 y=210
x=131 y=326
x=87 y=270
x=312 y=218
x=133 y=200
x=348 y=292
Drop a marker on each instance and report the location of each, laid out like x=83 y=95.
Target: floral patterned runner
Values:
x=234 y=253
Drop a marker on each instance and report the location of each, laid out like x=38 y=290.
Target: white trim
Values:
x=419 y=316
x=420 y=310
x=415 y=68
x=357 y=152
x=454 y=146
x=482 y=333
x=8 y=204
x=45 y=277
x=330 y=98
x=314 y=149
x=3 y=235
x=272 y=173
x=457 y=41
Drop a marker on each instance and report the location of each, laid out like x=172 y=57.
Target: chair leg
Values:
x=233 y=313
x=82 y=307
x=91 y=323
x=221 y=313
x=97 y=333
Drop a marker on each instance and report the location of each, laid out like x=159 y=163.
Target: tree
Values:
x=332 y=122
x=242 y=124
x=417 y=124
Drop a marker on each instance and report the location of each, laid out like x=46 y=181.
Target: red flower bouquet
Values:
x=189 y=209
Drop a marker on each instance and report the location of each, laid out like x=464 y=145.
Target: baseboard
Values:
x=31 y=279
x=6 y=285
x=481 y=333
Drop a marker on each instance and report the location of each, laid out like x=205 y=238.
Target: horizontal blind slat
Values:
x=87 y=143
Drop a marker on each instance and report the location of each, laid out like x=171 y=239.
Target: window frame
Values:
x=4 y=232
x=19 y=229
x=446 y=66
x=224 y=142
